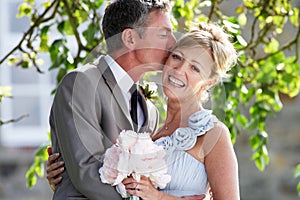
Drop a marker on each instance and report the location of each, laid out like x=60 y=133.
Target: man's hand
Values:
x=54 y=169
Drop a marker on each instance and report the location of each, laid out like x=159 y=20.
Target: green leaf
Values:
x=294 y=18
x=31 y=177
x=30 y=2
x=42 y=152
x=24 y=10
x=47 y=4
x=297 y=171
x=98 y=3
x=44 y=39
x=260 y=163
x=62 y=72
x=272 y=46
x=60 y=27
x=240 y=9
x=81 y=16
x=89 y=35
x=12 y=60
x=255 y=142
x=278 y=104
x=68 y=28
x=241 y=119
x=25 y=64
x=242 y=19
x=39 y=166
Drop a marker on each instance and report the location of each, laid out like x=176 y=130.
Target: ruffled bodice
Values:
x=188 y=175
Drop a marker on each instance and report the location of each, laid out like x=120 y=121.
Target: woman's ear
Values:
x=211 y=83
x=129 y=38
x=208 y=84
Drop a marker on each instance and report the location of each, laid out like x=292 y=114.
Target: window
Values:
x=30 y=90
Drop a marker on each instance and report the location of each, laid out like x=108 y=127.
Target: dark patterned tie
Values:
x=134 y=103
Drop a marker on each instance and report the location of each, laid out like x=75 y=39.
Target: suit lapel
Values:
x=117 y=101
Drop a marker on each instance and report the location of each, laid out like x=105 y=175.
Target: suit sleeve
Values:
x=76 y=116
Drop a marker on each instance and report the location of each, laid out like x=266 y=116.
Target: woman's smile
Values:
x=176 y=82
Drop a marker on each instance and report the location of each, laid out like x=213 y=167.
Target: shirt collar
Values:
x=124 y=81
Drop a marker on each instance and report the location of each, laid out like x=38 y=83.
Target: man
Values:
x=92 y=103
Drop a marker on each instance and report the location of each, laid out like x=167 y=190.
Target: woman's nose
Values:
x=182 y=67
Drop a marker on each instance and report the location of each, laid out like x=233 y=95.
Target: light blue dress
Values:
x=188 y=175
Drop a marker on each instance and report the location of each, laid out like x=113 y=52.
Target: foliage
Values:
x=266 y=68
x=297 y=175
x=37 y=167
x=5 y=91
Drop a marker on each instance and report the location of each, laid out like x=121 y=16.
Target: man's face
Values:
x=157 y=39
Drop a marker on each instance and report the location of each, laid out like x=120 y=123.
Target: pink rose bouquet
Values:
x=134 y=154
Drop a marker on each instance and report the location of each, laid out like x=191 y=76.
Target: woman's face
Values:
x=186 y=72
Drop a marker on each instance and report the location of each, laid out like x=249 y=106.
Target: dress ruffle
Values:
x=185 y=138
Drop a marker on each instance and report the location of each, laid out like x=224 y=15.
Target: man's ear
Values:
x=129 y=38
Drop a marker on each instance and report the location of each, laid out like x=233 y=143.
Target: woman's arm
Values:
x=221 y=165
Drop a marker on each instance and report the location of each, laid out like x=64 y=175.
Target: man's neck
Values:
x=130 y=64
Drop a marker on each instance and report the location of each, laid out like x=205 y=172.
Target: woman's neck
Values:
x=181 y=110
x=177 y=116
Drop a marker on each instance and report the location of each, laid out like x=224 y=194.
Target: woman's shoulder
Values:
x=219 y=132
x=219 y=127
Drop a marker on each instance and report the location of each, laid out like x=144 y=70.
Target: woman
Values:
x=199 y=153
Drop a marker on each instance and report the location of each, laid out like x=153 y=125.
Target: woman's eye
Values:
x=195 y=68
x=176 y=56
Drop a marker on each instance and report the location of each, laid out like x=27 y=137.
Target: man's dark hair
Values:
x=122 y=14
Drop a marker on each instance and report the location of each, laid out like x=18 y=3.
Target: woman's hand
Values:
x=146 y=191
x=54 y=169
x=143 y=188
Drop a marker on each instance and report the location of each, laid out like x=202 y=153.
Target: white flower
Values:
x=134 y=154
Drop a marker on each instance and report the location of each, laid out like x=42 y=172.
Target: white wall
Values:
x=30 y=90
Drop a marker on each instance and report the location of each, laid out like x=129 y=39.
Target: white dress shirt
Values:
x=125 y=82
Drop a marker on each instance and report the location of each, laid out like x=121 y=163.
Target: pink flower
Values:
x=134 y=154
x=108 y=172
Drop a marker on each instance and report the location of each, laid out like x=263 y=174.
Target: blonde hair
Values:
x=214 y=39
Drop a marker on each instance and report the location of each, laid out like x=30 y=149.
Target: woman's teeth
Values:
x=176 y=82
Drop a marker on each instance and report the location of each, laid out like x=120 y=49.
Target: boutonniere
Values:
x=149 y=90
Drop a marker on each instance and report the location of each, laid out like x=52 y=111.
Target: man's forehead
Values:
x=160 y=28
x=160 y=19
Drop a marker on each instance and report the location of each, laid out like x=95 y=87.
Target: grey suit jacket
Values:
x=87 y=115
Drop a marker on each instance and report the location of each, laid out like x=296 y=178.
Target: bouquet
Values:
x=134 y=154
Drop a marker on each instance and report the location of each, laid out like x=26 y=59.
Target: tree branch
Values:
x=30 y=30
x=13 y=120
x=289 y=45
x=75 y=31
